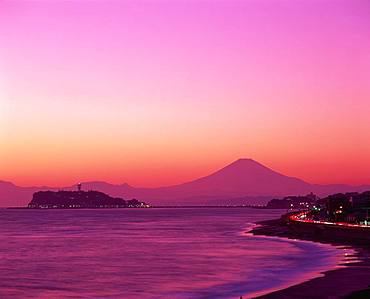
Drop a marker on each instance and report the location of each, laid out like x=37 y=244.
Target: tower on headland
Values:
x=79 y=187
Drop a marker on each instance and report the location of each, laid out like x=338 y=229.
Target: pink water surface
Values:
x=148 y=253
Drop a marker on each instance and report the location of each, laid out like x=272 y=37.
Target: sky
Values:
x=160 y=92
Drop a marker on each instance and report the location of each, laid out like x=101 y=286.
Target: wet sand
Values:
x=352 y=281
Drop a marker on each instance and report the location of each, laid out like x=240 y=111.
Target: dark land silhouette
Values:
x=80 y=199
x=244 y=181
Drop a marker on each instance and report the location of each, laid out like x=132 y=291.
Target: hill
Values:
x=243 y=181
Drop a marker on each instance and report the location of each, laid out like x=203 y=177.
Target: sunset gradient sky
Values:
x=159 y=92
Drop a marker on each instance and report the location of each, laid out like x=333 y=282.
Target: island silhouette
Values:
x=80 y=200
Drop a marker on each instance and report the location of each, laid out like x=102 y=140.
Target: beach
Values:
x=350 y=281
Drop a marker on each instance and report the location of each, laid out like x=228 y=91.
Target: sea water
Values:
x=150 y=253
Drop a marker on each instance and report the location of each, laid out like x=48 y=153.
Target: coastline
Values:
x=351 y=281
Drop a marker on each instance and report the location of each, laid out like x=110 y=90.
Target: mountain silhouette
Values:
x=243 y=181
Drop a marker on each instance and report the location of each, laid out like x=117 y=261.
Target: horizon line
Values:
x=181 y=183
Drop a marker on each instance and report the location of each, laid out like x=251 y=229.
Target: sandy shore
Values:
x=352 y=281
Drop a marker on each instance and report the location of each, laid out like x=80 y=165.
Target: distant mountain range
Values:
x=244 y=181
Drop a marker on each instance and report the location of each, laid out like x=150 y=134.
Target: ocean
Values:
x=150 y=253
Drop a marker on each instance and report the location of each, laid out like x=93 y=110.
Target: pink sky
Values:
x=160 y=92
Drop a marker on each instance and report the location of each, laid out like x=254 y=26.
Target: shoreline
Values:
x=351 y=281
